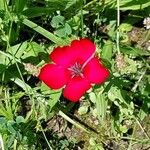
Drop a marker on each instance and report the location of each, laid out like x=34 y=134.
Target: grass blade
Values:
x=43 y=32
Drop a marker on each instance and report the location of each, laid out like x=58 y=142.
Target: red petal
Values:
x=54 y=76
x=79 y=50
x=76 y=88
x=95 y=71
x=61 y=55
x=84 y=47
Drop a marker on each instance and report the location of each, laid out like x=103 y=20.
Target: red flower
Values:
x=75 y=68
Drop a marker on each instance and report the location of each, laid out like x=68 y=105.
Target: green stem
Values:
x=1 y=142
x=118 y=24
x=44 y=32
x=46 y=139
x=82 y=25
x=139 y=80
x=15 y=144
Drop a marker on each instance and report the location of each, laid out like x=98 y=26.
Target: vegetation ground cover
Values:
x=110 y=116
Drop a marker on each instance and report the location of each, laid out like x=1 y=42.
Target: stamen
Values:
x=76 y=70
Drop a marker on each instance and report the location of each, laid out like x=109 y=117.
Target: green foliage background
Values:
x=29 y=30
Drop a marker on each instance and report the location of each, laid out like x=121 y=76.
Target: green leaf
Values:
x=11 y=140
x=131 y=66
x=125 y=27
x=37 y=11
x=64 y=31
x=21 y=84
x=107 y=50
x=101 y=106
x=2 y=68
x=19 y=5
x=20 y=119
x=18 y=49
x=71 y=3
x=68 y=29
x=54 y=95
x=93 y=97
x=3 y=120
x=134 y=4
x=33 y=49
x=52 y=6
x=44 y=32
x=2 y=5
x=133 y=51
x=57 y=21
x=83 y=110
x=115 y=93
x=54 y=98
x=10 y=127
x=123 y=129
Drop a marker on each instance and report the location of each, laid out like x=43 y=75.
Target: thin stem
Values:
x=138 y=122
x=72 y=121
x=15 y=144
x=138 y=82
x=10 y=56
x=1 y=143
x=118 y=24
x=82 y=25
x=46 y=140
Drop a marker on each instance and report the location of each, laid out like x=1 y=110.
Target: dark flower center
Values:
x=76 y=70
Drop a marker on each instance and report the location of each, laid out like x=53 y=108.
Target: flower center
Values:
x=76 y=70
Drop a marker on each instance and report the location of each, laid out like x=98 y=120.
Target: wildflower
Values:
x=146 y=23
x=75 y=68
